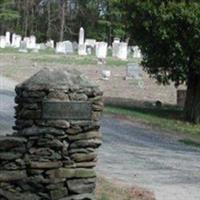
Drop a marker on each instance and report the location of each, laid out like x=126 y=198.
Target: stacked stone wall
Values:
x=51 y=159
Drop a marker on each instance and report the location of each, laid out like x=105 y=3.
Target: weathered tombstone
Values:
x=60 y=47
x=181 y=97
x=2 y=42
x=23 y=47
x=133 y=70
x=75 y=46
x=137 y=52
x=101 y=50
x=106 y=74
x=13 y=39
x=53 y=153
x=65 y=47
x=50 y=44
x=115 y=47
x=41 y=46
x=122 y=52
x=68 y=47
x=32 y=42
x=90 y=43
x=89 y=50
x=16 y=39
x=7 y=39
x=81 y=43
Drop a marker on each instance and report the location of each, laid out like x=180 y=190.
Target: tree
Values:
x=168 y=33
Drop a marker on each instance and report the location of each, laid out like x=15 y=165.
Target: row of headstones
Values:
x=27 y=43
x=86 y=47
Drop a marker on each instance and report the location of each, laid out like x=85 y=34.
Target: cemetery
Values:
x=99 y=100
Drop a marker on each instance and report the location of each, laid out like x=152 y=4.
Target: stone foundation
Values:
x=52 y=158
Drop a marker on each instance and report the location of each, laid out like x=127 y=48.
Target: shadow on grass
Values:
x=166 y=112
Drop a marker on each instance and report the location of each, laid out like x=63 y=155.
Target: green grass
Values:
x=107 y=190
x=169 y=119
x=190 y=142
x=49 y=56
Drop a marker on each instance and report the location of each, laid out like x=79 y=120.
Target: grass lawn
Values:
x=49 y=56
x=168 y=119
x=110 y=191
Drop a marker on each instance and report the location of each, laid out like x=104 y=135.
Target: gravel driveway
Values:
x=133 y=155
x=6 y=105
x=138 y=156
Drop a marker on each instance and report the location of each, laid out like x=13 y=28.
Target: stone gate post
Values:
x=53 y=152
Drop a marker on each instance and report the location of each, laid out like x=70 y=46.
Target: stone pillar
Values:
x=81 y=43
x=54 y=151
x=81 y=36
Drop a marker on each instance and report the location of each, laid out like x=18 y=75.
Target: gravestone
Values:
x=133 y=70
x=137 y=52
x=23 y=47
x=89 y=50
x=60 y=47
x=101 y=50
x=53 y=153
x=2 y=42
x=68 y=47
x=7 y=39
x=41 y=46
x=90 y=43
x=50 y=44
x=81 y=43
x=181 y=97
x=122 y=51
x=32 y=42
x=16 y=39
x=106 y=74
x=81 y=36
x=65 y=47
x=115 y=47
x=75 y=46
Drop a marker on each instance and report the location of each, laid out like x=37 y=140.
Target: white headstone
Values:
x=16 y=39
x=137 y=52
x=2 y=42
x=65 y=47
x=101 y=50
x=41 y=46
x=60 y=47
x=115 y=47
x=50 y=44
x=82 y=50
x=7 y=39
x=23 y=47
x=122 y=51
x=75 y=46
x=90 y=43
x=89 y=50
x=13 y=39
x=32 y=42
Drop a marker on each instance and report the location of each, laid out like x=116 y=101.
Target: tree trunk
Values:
x=62 y=20
x=49 y=20
x=192 y=104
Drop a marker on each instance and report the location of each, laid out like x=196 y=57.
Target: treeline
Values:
x=61 y=19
